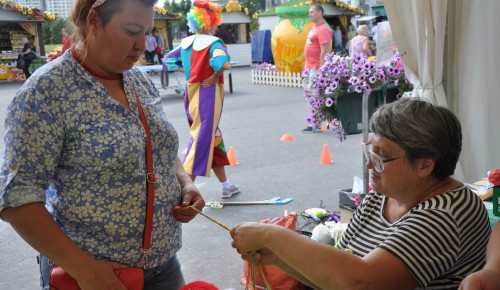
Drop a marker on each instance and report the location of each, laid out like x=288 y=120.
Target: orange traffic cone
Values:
x=231 y=156
x=325 y=156
x=286 y=138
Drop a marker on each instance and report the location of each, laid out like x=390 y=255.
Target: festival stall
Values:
x=235 y=32
x=162 y=21
x=17 y=22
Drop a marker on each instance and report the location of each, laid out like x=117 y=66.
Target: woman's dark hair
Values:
x=105 y=12
x=423 y=130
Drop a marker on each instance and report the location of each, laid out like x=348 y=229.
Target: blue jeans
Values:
x=166 y=276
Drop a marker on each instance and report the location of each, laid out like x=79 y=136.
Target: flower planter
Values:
x=349 y=111
x=349 y=108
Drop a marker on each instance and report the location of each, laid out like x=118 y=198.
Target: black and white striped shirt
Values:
x=440 y=241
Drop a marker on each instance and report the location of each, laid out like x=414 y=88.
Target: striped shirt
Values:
x=440 y=241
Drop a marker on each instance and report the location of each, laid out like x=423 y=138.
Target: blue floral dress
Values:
x=70 y=145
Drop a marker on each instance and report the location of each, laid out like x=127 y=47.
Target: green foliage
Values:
x=182 y=7
x=52 y=30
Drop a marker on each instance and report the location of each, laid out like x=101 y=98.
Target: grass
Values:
x=50 y=47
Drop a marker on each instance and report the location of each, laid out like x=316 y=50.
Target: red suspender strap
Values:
x=150 y=182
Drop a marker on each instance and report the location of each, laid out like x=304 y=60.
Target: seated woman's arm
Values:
x=321 y=265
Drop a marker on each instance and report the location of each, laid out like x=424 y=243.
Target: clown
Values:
x=204 y=58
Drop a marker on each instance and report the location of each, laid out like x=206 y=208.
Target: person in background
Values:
x=360 y=44
x=318 y=45
x=418 y=229
x=73 y=173
x=151 y=45
x=28 y=54
x=67 y=39
x=204 y=58
x=487 y=277
x=337 y=40
x=160 y=40
x=351 y=33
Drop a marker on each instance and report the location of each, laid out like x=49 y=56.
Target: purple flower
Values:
x=329 y=102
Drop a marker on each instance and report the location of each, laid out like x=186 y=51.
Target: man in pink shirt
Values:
x=318 y=44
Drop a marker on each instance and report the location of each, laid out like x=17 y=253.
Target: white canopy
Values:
x=366 y=18
x=472 y=68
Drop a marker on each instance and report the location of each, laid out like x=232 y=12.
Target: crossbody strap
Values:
x=150 y=183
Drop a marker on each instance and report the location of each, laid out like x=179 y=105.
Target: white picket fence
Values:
x=274 y=78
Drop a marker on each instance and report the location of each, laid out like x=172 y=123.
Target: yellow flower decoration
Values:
x=246 y=10
x=233 y=5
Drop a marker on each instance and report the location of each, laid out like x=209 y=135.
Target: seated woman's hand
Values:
x=485 y=279
x=264 y=256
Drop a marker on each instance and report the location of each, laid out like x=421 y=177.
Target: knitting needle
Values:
x=210 y=218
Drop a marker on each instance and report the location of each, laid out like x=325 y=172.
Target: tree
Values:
x=52 y=30
x=180 y=9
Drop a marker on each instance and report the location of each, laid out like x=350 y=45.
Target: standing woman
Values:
x=73 y=174
x=360 y=44
x=204 y=58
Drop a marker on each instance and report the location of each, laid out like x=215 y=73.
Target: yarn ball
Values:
x=494 y=177
x=199 y=285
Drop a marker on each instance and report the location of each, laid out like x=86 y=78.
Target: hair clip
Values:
x=97 y=4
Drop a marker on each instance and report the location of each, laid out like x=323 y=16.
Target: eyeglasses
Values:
x=97 y=4
x=376 y=160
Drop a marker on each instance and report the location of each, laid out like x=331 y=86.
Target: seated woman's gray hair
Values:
x=423 y=130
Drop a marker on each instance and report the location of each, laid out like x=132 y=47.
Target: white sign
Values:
x=385 y=43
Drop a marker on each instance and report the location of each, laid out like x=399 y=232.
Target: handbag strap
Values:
x=150 y=183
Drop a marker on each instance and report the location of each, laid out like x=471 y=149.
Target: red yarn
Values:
x=199 y=285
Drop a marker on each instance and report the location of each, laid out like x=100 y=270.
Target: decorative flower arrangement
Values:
x=160 y=10
x=341 y=75
x=26 y=10
x=266 y=67
x=494 y=177
x=358 y=199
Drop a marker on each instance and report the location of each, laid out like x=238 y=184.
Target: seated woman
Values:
x=419 y=228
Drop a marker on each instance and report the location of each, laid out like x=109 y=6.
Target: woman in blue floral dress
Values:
x=73 y=172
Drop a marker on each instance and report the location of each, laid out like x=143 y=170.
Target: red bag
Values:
x=275 y=277
x=158 y=50
x=132 y=278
